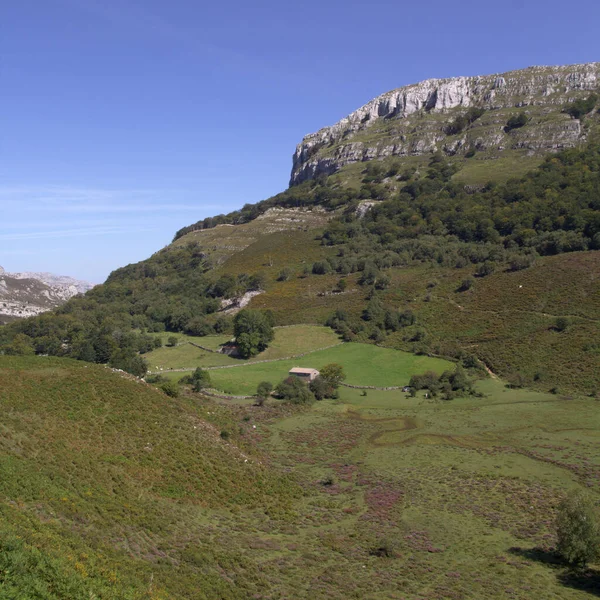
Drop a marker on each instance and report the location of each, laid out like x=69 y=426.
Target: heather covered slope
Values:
x=112 y=490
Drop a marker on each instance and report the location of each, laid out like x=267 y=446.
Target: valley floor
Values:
x=461 y=495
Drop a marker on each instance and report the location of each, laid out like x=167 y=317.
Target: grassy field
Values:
x=288 y=341
x=363 y=364
x=110 y=489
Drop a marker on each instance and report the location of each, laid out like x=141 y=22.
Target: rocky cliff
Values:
x=415 y=119
x=29 y=294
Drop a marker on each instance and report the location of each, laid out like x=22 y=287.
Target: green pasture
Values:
x=288 y=341
x=364 y=364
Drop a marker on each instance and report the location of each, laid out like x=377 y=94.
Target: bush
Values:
x=170 y=388
x=561 y=323
x=582 y=107
x=285 y=274
x=322 y=389
x=516 y=121
x=263 y=390
x=578 y=530
x=466 y=284
x=293 y=390
x=385 y=548
x=487 y=268
x=172 y=341
x=321 y=267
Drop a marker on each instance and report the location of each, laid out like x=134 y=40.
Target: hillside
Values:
x=111 y=489
x=423 y=118
x=381 y=249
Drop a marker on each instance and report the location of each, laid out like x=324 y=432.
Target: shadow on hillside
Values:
x=586 y=581
x=537 y=554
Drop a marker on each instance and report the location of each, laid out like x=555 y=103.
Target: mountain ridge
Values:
x=537 y=89
x=26 y=294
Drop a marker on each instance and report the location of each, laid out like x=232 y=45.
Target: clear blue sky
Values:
x=124 y=120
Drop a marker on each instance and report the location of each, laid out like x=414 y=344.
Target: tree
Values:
x=21 y=346
x=263 y=391
x=199 y=379
x=293 y=390
x=333 y=374
x=253 y=330
x=172 y=341
x=578 y=530
x=321 y=388
x=127 y=360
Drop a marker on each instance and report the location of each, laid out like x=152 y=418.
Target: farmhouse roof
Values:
x=303 y=371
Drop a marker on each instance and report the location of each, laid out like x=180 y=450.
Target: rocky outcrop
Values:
x=29 y=294
x=413 y=120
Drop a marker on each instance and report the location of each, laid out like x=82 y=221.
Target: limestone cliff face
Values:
x=413 y=120
x=29 y=294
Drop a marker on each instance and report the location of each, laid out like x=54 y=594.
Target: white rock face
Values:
x=29 y=294
x=535 y=86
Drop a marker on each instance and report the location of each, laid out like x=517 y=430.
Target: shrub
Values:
x=385 y=548
x=466 y=284
x=518 y=263
x=321 y=388
x=170 y=388
x=516 y=121
x=264 y=389
x=582 y=107
x=487 y=268
x=285 y=274
x=561 y=323
x=578 y=530
x=293 y=390
x=172 y=341
x=321 y=267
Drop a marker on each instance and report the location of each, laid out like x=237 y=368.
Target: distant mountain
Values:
x=29 y=294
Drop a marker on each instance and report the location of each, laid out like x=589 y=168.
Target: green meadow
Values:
x=288 y=341
x=364 y=364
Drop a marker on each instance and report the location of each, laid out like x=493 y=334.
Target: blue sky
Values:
x=123 y=121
